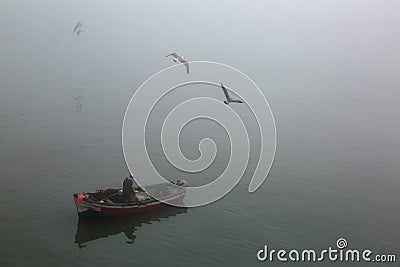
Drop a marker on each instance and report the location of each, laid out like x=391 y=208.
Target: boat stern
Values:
x=79 y=199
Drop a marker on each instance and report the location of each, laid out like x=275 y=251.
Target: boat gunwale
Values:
x=150 y=202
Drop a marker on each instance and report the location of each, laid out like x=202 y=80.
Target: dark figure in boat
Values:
x=128 y=190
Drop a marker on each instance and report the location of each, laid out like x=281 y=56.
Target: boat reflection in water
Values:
x=90 y=229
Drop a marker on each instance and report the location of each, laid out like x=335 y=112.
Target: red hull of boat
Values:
x=85 y=208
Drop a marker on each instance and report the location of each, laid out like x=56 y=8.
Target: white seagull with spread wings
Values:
x=181 y=59
x=227 y=96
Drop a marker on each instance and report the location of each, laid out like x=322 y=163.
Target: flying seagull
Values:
x=227 y=96
x=181 y=59
x=79 y=24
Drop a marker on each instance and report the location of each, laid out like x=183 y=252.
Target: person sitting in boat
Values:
x=128 y=191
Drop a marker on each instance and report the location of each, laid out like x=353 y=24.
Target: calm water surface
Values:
x=330 y=70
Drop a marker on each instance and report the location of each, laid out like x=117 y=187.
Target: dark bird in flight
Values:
x=181 y=59
x=227 y=96
x=79 y=24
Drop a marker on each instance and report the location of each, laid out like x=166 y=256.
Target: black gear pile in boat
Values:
x=116 y=195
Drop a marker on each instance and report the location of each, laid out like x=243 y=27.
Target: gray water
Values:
x=329 y=69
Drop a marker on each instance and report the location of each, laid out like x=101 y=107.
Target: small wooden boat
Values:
x=110 y=201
